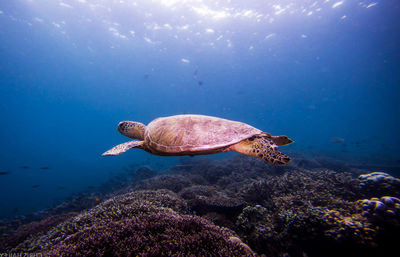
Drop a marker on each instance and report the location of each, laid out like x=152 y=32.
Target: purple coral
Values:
x=159 y=234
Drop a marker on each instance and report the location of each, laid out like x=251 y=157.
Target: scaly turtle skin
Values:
x=199 y=134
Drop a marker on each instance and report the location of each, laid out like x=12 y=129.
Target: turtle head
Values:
x=132 y=129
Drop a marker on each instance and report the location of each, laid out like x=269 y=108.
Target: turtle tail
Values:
x=263 y=148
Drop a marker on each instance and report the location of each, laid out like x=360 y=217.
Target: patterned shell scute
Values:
x=195 y=133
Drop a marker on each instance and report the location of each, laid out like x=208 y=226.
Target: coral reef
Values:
x=301 y=209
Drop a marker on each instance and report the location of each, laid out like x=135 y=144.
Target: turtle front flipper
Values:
x=261 y=147
x=122 y=148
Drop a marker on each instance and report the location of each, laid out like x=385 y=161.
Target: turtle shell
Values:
x=195 y=134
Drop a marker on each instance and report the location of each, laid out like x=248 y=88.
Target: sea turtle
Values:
x=199 y=134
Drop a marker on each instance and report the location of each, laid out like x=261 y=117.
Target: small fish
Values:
x=3 y=173
x=200 y=83
x=25 y=167
x=44 y=168
x=35 y=186
x=337 y=140
x=359 y=142
x=60 y=188
x=146 y=76
x=90 y=187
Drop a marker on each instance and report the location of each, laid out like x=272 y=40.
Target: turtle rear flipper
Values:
x=261 y=147
x=122 y=148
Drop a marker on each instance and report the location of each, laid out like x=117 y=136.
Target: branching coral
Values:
x=115 y=209
x=162 y=234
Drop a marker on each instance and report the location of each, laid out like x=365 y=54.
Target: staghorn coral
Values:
x=162 y=234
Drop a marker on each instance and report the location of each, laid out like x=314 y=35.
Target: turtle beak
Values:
x=121 y=126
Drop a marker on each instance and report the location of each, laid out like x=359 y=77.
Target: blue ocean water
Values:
x=326 y=73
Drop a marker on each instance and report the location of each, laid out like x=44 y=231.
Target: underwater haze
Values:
x=324 y=72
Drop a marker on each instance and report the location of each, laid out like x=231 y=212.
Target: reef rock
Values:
x=379 y=184
x=384 y=209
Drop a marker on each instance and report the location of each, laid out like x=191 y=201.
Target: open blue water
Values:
x=324 y=72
